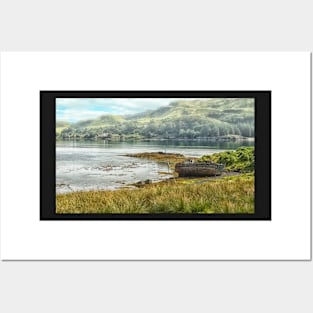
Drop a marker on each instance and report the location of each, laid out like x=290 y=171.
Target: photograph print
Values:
x=157 y=156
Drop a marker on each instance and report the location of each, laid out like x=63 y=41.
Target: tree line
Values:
x=190 y=128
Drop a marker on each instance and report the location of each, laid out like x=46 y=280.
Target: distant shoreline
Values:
x=119 y=139
x=222 y=138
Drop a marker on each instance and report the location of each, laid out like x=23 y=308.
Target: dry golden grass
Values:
x=226 y=195
x=169 y=158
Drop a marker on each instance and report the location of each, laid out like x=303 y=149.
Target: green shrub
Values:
x=240 y=160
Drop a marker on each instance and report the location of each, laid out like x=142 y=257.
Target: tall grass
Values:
x=227 y=195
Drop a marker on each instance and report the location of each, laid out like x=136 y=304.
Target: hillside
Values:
x=180 y=119
x=102 y=121
x=213 y=108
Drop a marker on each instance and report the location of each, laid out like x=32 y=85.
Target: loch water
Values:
x=102 y=165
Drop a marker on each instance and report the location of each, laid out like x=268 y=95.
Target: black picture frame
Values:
x=262 y=153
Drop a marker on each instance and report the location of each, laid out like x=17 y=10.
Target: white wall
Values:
x=150 y=286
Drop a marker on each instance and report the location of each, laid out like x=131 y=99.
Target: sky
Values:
x=76 y=109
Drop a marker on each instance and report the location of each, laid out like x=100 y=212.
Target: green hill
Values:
x=213 y=108
x=102 y=121
x=180 y=119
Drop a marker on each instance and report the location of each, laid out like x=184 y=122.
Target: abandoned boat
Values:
x=199 y=169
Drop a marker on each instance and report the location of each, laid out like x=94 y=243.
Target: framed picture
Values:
x=209 y=152
x=155 y=155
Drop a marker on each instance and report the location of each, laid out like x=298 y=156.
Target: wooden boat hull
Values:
x=196 y=170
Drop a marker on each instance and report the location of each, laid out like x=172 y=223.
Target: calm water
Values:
x=90 y=165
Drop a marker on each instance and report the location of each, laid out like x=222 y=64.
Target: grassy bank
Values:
x=240 y=160
x=169 y=158
x=226 y=195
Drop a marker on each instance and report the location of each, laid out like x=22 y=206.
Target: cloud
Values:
x=77 y=115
